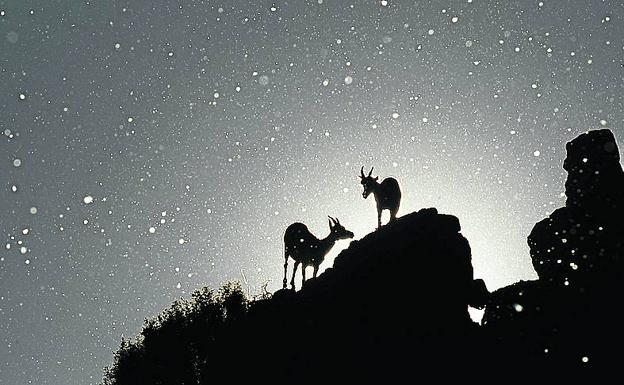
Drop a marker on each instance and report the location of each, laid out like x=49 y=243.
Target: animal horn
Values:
x=371 y=171
x=332 y=221
x=362 y=172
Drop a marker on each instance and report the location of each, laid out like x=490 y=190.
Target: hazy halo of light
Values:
x=238 y=120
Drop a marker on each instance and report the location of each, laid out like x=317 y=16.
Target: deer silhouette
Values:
x=306 y=249
x=387 y=194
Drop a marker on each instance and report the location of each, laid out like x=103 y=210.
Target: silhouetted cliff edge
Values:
x=394 y=301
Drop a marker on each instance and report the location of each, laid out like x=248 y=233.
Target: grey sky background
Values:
x=148 y=148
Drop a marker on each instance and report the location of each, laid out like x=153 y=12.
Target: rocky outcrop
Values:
x=584 y=240
x=569 y=317
x=394 y=302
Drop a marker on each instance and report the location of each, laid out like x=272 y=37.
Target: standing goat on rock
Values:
x=306 y=249
x=387 y=194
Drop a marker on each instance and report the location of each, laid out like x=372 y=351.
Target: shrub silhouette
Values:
x=176 y=346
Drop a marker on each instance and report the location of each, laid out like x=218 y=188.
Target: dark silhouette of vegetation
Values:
x=178 y=346
x=306 y=249
x=394 y=305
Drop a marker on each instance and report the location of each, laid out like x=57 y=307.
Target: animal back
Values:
x=298 y=233
x=391 y=188
x=390 y=183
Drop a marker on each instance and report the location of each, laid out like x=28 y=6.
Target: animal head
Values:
x=368 y=182
x=337 y=230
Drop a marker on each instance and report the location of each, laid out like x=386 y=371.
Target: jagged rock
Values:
x=573 y=310
x=393 y=300
x=584 y=238
x=595 y=178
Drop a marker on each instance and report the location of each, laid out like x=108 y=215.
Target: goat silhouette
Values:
x=387 y=194
x=306 y=249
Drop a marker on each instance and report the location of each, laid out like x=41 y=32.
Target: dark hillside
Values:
x=394 y=305
x=394 y=300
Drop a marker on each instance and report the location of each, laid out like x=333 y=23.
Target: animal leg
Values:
x=378 y=218
x=393 y=214
x=316 y=267
x=292 y=281
x=303 y=269
x=285 y=271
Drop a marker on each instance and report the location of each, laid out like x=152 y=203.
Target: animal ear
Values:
x=376 y=177
x=337 y=221
x=371 y=171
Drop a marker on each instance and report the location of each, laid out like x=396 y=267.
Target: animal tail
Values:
x=285 y=266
